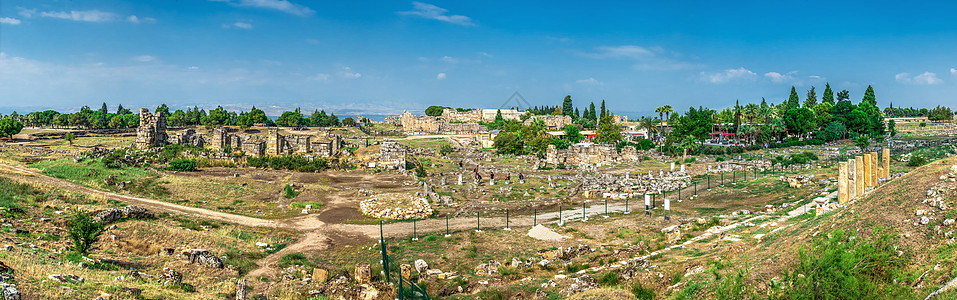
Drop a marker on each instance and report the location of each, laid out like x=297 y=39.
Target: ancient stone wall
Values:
x=452 y=115
x=412 y=123
x=581 y=155
x=152 y=130
x=553 y=122
x=392 y=156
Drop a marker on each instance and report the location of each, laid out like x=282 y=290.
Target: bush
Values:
x=641 y=292
x=294 y=259
x=445 y=150
x=182 y=165
x=917 y=160
x=288 y=192
x=84 y=231
x=291 y=162
x=609 y=278
x=840 y=265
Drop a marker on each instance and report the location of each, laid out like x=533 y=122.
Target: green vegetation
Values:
x=84 y=231
x=9 y=127
x=290 y=162
x=842 y=265
x=182 y=165
x=288 y=192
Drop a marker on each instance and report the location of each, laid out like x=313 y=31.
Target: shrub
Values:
x=84 y=231
x=288 y=192
x=294 y=259
x=917 y=160
x=609 y=278
x=840 y=265
x=641 y=292
x=182 y=165
x=445 y=150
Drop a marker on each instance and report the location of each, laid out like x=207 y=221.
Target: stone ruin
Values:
x=392 y=156
x=429 y=124
x=860 y=173
x=590 y=154
x=220 y=139
x=552 y=122
x=152 y=130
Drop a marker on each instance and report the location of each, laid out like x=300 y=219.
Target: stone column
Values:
x=886 y=156
x=874 y=169
x=859 y=175
x=852 y=178
x=460 y=179
x=672 y=166
x=842 y=183
x=867 y=170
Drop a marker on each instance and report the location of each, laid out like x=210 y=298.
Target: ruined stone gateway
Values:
x=152 y=130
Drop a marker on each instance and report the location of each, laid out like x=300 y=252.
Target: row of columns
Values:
x=861 y=172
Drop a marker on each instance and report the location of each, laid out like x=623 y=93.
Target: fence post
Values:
x=626 y=204
x=606 y=208
x=506 y=221
x=478 y=221
x=415 y=237
x=385 y=257
x=584 y=217
x=447 y=226
x=560 y=221
x=695 y=188
x=535 y=218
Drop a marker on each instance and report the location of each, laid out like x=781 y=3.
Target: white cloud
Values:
x=778 y=77
x=449 y=59
x=646 y=58
x=953 y=71
x=320 y=77
x=433 y=12
x=626 y=51
x=589 y=81
x=240 y=25
x=441 y=76
x=926 y=78
x=137 y=20
x=348 y=73
x=10 y=21
x=144 y=58
x=193 y=68
x=27 y=13
x=728 y=75
x=79 y=15
x=280 y=5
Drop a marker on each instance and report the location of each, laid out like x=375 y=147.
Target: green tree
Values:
x=892 y=127
x=799 y=120
x=216 y=118
x=572 y=134
x=243 y=121
x=508 y=143
x=688 y=144
x=592 y=113
x=435 y=111
x=567 y=107
x=858 y=121
x=84 y=231
x=498 y=116
x=828 y=96
x=862 y=142
x=811 y=99
x=117 y=122
x=843 y=95
x=69 y=137
x=869 y=96
x=695 y=122
x=348 y=121
x=834 y=131
x=289 y=119
x=103 y=109
x=822 y=112
x=163 y=108
x=258 y=116
x=793 y=100
x=10 y=127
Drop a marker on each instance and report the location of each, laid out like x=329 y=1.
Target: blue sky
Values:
x=380 y=57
